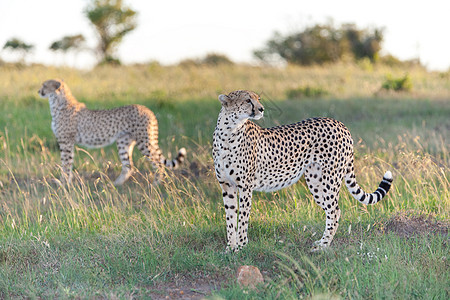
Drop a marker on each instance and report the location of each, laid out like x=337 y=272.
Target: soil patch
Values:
x=195 y=286
x=191 y=291
x=410 y=224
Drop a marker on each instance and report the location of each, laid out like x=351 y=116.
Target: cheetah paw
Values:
x=318 y=246
x=229 y=250
x=234 y=249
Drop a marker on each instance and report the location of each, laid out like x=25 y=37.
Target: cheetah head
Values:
x=242 y=105
x=49 y=87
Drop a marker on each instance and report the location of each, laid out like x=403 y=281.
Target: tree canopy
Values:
x=17 y=45
x=67 y=43
x=112 y=21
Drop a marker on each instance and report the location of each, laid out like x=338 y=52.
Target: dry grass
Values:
x=134 y=83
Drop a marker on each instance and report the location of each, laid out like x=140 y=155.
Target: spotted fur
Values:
x=73 y=123
x=249 y=158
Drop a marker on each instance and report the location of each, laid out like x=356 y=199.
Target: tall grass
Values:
x=177 y=228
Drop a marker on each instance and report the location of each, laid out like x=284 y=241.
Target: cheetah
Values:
x=73 y=123
x=249 y=158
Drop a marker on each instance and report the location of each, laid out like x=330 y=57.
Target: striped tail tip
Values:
x=183 y=152
x=388 y=176
x=382 y=190
x=174 y=163
x=180 y=157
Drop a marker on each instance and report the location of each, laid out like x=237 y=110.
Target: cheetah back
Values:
x=285 y=151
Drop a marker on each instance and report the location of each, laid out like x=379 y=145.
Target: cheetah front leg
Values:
x=245 y=205
x=67 y=154
x=229 y=194
x=325 y=190
x=125 y=146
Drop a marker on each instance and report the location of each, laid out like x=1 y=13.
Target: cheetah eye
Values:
x=249 y=101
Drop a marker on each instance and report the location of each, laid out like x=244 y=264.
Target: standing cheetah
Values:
x=73 y=123
x=249 y=158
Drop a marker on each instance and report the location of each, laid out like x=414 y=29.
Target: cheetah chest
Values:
x=224 y=164
x=228 y=160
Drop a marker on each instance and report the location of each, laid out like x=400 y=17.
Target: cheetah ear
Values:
x=55 y=84
x=223 y=99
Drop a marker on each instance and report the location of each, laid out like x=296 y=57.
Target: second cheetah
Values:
x=73 y=123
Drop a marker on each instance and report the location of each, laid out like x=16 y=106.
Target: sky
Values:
x=171 y=30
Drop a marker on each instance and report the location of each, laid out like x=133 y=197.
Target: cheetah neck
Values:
x=230 y=132
x=228 y=125
x=66 y=94
x=63 y=101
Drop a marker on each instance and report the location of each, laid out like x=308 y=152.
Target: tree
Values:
x=112 y=21
x=74 y=43
x=320 y=44
x=363 y=43
x=19 y=46
x=69 y=42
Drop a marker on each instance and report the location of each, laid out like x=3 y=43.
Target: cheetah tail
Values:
x=174 y=163
x=364 y=197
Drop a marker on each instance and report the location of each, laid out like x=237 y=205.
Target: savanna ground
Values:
x=93 y=240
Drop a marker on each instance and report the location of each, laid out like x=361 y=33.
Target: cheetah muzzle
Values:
x=73 y=123
x=249 y=158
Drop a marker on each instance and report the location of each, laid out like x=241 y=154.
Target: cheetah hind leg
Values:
x=147 y=144
x=320 y=186
x=125 y=145
x=313 y=178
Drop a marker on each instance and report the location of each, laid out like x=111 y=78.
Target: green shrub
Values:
x=161 y=99
x=110 y=61
x=390 y=61
x=306 y=92
x=397 y=84
x=214 y=59
x=211 y=59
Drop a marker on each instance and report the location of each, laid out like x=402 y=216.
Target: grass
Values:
x=93 y=240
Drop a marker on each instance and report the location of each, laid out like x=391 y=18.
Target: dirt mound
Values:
x=410 y=224
x=195 y=286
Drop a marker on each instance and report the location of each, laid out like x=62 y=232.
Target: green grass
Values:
x=93 y=240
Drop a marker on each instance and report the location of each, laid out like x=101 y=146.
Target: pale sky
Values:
x=171 y=30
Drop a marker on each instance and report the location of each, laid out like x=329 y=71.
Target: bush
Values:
x=189 y=63
x=390 y=61
x=211 y=59
x=111 y=61
x=161 y=99
x=397 y=84
x=214 y=59
x=394 y=62
x=306 y=92
x=320 y=44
